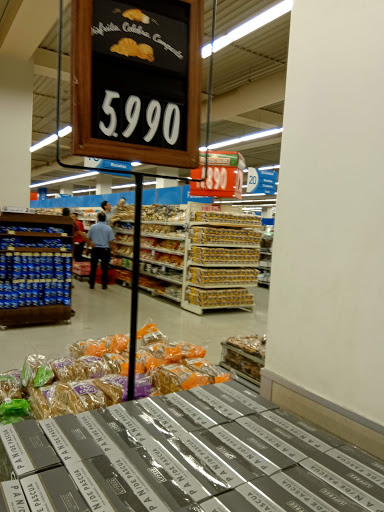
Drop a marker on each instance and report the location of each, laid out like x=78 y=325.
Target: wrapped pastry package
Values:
x=36 y=372
x=90 y=367
x=114 y=387
x=81 y=396
x=47 y=402
x=114 y=362
x=188 y=350
x=64 y=369
x=216 y=374
x=149 y=333
x=160 y=354
x=142 y=358
x=119 y=343
x=10 y=385
x=177 y=377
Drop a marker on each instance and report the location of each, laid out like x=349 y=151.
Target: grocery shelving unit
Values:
x=161 y=276
x=27 y=315
x=188 y=285
x=265 y=264
x=241 y=368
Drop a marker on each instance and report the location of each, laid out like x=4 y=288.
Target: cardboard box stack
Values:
x=217 y=448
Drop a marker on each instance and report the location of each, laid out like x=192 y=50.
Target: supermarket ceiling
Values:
x=248 y=82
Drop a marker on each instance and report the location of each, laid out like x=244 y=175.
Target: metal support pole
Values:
x=135 y=286
x=210 y=86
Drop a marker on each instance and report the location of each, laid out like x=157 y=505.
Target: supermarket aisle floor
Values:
x=101 y=312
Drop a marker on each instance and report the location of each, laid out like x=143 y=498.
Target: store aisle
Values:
x=99 y=313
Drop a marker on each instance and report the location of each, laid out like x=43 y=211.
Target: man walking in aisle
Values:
x=102 y=237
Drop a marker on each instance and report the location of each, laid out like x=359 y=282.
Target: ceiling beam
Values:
x=27 y=26
x=257 y=144
x=249 y=97
x=45 y=64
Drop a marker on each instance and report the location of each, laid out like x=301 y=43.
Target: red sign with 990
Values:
x=224 y=175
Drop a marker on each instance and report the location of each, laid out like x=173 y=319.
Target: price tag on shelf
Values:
x=68 y=280
x=48 y=280
x=63 y=249
x=11 y=232
x=10 y=248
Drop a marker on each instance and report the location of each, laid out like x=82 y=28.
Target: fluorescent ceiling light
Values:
x=65 y=131
x=246 y=138
x=68 y=178
x=51 y=195
x=130 y=185
x=52 y=138
x=269 y=167
x=248 y=27
x=84 y=190
x=115 y=187
x=135 y=164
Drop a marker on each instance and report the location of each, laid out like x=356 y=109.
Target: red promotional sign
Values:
x=224 y=176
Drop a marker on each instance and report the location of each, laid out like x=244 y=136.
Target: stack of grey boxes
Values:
x=217 y=448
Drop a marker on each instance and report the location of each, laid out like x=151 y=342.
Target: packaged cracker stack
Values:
x=205 y=255
x=222 y=276
x=211 y=235
x=227 y=218
x=216 y=298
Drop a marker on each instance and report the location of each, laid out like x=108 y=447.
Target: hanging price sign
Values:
x=137 y=80
x=224 y=175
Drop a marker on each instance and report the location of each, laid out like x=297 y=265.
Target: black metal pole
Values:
x=135 y=286
x=210 y=85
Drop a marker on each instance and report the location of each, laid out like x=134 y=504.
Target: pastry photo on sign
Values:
x=129 y=48
x=136 y=15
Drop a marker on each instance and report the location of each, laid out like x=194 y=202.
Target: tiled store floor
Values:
x=100 y=312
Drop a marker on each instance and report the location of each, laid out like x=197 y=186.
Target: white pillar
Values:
x=266 y=212
x=164 y=183
x=326 y=313
x=103 y=184
x=16 y=100
x=66 y=188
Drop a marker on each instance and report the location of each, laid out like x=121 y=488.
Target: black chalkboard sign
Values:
x=137 y=80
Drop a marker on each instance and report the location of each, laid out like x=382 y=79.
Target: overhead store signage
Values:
x=136 y=80
x=224 y=175
x=261 y=182
x=108 y=165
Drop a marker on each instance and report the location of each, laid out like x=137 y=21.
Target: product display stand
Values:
x=34 y=287
x=265 y=263
x=237 y=237
x=152 y=261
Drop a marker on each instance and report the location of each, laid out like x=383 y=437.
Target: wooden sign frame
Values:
x=84 y=144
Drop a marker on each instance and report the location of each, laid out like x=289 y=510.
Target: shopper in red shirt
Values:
x=79 y=238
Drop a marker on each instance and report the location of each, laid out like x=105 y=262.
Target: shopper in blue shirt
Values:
x=102 y=237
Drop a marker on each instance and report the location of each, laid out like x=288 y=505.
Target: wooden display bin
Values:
x=35 y=314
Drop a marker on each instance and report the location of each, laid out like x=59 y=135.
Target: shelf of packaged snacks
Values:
x=150 y=248
x=36 y=249
x=170 y=297
x=152 y=235
x=162 y=264
x=33 y=234
x=161 y=277
x=154 y=262
x=223 y=265
x=241 y=374
x=218 y=285
x=243 y=353
x=225 y=225
x=122 y=243
x=157 y=222
x=224 y=245
x=199 y=310
x=152 y=291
